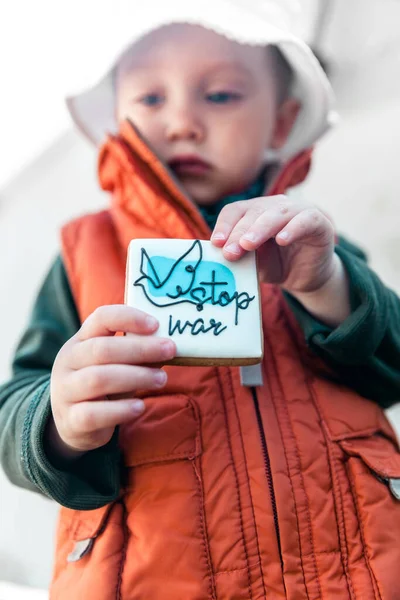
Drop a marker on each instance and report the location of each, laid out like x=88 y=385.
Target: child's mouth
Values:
x=189 y=165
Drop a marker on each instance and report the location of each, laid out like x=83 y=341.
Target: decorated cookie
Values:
x=210 y=307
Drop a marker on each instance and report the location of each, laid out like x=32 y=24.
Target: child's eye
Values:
x=223 y=97
x=151 y=99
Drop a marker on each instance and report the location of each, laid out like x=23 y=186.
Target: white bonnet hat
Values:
x=256 y=22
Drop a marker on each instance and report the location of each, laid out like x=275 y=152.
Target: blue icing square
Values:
x=223 y=278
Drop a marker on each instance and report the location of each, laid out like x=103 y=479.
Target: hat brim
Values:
x=93 y=109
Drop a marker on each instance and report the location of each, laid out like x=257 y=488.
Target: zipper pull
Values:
x=251 y=376
x=80 y=550
x=392 y=483
x=394 y=486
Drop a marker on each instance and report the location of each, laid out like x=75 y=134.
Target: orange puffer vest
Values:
x=229 y=493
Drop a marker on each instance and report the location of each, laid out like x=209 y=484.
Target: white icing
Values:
x=148 y=282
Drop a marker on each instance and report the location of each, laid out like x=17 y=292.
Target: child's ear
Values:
x=285 y=119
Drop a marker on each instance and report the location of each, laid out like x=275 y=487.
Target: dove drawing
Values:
x=173 y=285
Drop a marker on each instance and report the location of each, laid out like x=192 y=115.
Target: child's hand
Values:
x=94 y=366
x=295 y=241
x=295 y=244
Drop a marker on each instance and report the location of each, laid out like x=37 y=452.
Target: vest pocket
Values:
x=167 y=551
x=85 y=529
x=378 y=455
x=169 y=430
x=90 y=550
x=372 y=465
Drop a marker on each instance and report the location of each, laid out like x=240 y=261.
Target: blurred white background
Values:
x=48 y=174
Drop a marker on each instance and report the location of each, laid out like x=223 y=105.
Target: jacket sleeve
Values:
x=87 y=483
x=365 y=349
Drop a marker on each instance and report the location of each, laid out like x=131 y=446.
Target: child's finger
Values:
x=129 y=350
x=227 y=220
x=257 y=227
x=88 y=417
x=233 y=249
x=107 y=320
x=310 y=223
x=99 y=381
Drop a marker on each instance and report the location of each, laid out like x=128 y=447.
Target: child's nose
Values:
x=184 y=124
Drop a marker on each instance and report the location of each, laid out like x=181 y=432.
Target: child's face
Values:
x=207 y=105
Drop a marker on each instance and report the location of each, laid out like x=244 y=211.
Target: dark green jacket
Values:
x=364 y=351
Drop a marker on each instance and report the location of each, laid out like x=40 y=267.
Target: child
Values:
x=188 y=483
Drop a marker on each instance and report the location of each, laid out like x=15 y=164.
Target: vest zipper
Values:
x=267 y=468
